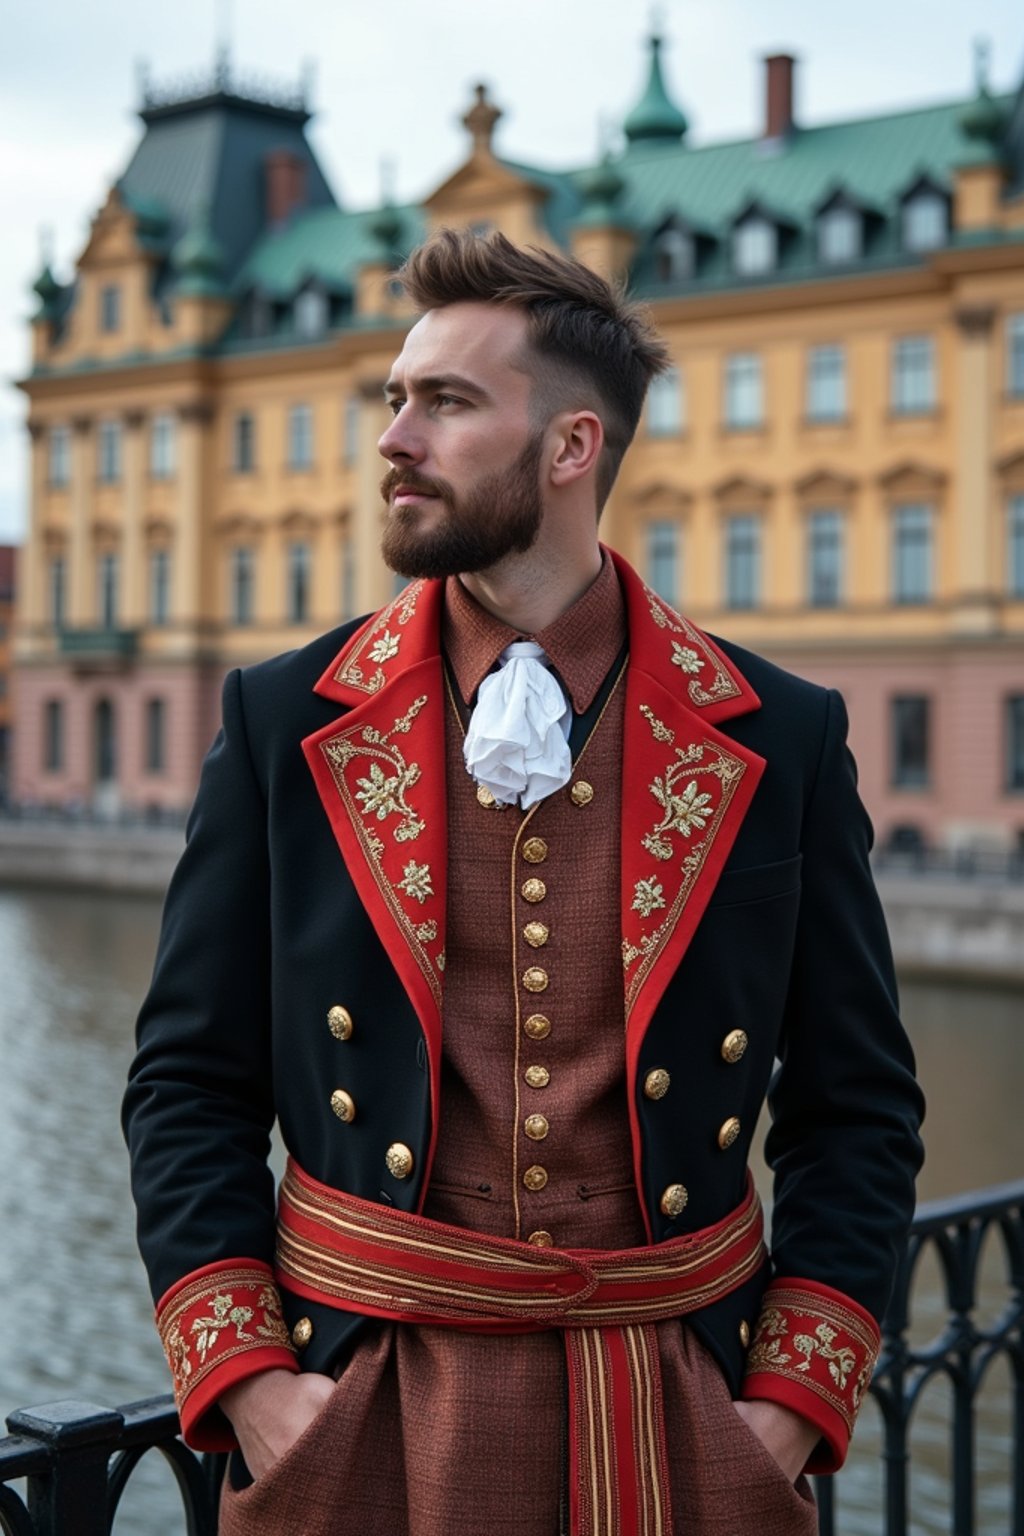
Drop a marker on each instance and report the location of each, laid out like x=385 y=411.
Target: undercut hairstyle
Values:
x=589 y=346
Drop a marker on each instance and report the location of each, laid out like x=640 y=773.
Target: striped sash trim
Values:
x=361 y=1257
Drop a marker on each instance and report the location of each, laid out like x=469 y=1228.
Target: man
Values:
x=517 y=1024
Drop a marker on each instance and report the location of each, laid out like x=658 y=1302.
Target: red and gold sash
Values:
x=360 y=1257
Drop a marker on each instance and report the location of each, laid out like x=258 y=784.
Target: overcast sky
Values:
x=393 y=78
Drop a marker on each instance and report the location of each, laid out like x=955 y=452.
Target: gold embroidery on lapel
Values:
x=693 y=657
x=379 y=644
x=694 y=791
x=373 y=793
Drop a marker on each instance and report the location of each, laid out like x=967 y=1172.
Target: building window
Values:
x=159 y=586
x=311 y=312
x=755 y=246
x=106 y=597
x=350 y=430
x=674 y=256
x=911 y=728
x=744 y=404
x=243 y=448
x=110 y=308
x=665 y=404
x=59 y=457
x=162 y=446
x=58 y=591
x=840 y=235
x=742 y=561
x=300 y=437
x=913 y=375
x=925 y=220
x=912 y=553
x=298 y=583
x=110 y=452
x=826 y=384
x=1015 y=357
x=53 y=736
x=825 y=557
x=243 y=563
x=348 y=577
x=1015 y=741
x=156 y=736
x=662 y=560
x=1015 y=549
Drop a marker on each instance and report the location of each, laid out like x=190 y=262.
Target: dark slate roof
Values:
x=208 y=154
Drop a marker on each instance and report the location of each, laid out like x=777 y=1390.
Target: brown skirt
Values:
x=433 y=1433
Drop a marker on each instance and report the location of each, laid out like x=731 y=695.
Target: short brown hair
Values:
x=589 y=338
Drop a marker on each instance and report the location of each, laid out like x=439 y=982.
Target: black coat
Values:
x=265 y=930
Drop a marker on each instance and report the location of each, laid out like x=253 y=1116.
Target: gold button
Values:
x=728 y=1133
x=673 y=1200
x=339 y=1022
x=744 y=1332
x=581 y=793
x=399 y=1160
x=538 y=1026
x=656 y=1083
x=344 y=1105
x=541 y=1239
x=536 y=1127
x=534 y=890
x=535 y=850
x=734 y=1044
x=537 y=1077
x=535 y=1178
x=535 y=980
x=536 y=934
x=302 y=1333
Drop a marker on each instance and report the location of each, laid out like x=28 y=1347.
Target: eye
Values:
x=449 y=400
x=394 y=406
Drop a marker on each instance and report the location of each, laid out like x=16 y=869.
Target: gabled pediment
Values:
x=113 y=235
x=239 y=525
x=660 y=495
x=481 y=181
x=826 y=485
x=296 y=520
x=740 y=488
x=911 y=479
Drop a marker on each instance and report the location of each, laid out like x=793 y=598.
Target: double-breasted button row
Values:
x=398 y=1158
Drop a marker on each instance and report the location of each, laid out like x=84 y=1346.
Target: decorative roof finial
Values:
x=481 y=119
x=222 y=53
x=655 y=117
x=983 y=120
x=982 y=56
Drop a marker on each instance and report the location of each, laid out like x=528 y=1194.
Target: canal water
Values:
x=75 y=1314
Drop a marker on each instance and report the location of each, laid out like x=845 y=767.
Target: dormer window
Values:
x=110 y=308
x=311 y=312
x=925 y=219
x=840 y=234
x=674 y=255
x=755 y=245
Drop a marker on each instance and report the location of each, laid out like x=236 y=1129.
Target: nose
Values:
x=398 y=442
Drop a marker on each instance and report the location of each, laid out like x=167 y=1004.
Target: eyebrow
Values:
x=434 y=382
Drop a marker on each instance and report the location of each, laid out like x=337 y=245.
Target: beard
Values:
x=498 y=516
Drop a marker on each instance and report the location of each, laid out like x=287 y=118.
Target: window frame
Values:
x=666 y=413
x=902 y=774
x=241 y=586
x=1013 y=736
x=155 y=761
x=58 y=459
x=163 y=446
x=300 y=447
x=840 y=215
x=53 y=752
x=243 y=442
x=909 y=542
x=913 y=383
x=111 y=309
x=837 y=519
x=733 y=598
x=670 y=553
x=815 y=411
x=110 y=451
x=755 y=246
x=298 y=581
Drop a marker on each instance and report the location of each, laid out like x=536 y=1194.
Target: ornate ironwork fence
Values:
x=76 y=1458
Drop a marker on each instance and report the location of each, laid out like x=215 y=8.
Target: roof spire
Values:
x=983 y=119
x=655 y=118
x=481 y=119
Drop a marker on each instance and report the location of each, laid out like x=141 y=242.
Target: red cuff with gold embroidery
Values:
x=814 y=1350
x=219 y=1325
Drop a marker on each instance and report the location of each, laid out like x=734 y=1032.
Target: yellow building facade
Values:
x=832 y=473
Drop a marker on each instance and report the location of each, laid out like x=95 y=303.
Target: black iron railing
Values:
x=76 y=1458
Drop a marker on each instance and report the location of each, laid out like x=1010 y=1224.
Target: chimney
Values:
x=285 y=185
x=779 y=123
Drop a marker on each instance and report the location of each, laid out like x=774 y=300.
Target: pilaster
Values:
x=83 y=475
x=973 y=534
x=373 y=580
x=133 y=589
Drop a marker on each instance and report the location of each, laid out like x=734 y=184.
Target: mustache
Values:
x=411 y=481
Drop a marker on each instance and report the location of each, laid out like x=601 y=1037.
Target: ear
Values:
x=579 y=438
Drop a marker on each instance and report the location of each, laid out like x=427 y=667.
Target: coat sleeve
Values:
x=199 y=1107
x=844 y=1145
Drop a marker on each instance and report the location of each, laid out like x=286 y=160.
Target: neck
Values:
x=528 y=592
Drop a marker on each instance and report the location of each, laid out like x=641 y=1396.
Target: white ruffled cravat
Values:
x=517 y=744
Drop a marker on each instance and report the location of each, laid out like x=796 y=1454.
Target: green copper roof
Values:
x=328 y=244
x=199 y=260
x=655 y=117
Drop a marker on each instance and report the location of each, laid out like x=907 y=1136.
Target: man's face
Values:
x=463 y=490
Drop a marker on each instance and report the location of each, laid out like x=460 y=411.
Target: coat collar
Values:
x=380 y=773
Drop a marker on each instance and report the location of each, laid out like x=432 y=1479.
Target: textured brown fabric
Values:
x=430 y=1431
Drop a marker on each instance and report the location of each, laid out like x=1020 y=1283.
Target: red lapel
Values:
x=380 y=773
x=685 y=790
